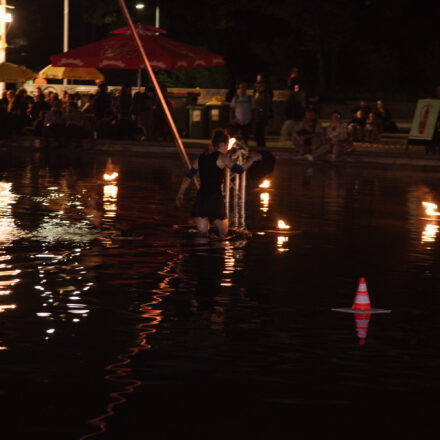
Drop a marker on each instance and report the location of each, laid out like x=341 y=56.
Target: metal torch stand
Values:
x=236 y=197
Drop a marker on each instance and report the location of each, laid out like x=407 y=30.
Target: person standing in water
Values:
x=209 y=206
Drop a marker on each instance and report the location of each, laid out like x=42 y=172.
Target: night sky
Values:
x=343 y=45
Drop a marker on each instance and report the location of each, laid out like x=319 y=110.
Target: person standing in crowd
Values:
x=232 y=91
x=102 y=102
x=123 y=102
x=242 y=112
x=293 y=112
x=263 y=110
x=161 y=129
x=293 y=78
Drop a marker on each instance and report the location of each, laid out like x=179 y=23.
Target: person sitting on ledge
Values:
x=308 y=138
x=383 y=114
x=371 y=129
x=337 y=138
x=356 y=126
x=209 y=206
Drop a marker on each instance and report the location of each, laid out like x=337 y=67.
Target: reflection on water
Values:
x=110 y=198
x=430 y=232
x=8 y=233
x=282 y=243
x=132 y=321
x=264 y=202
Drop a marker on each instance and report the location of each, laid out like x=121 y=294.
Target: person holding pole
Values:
x=209 y=206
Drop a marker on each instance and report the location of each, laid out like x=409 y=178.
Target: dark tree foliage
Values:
x=369 y=45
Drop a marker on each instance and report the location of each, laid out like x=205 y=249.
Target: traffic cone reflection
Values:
x=362 y=300
x=109 y=166
x=362 y=320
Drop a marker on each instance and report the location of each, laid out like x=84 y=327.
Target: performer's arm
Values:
x=186 y=181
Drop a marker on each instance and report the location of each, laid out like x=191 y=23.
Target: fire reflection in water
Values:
x=152 y=315
x=281 y=243
x=264 y=202
x=109 y=200
x=430 y=233
x=8 y=233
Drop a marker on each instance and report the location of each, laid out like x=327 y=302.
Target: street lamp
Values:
x=141 y=5
x=66 y=31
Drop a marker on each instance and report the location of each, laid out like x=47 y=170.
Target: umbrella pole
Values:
x=156 y=86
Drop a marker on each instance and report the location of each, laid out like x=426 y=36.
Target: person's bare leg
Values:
x=222 y=227
x=202 y=224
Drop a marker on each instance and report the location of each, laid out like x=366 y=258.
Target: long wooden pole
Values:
x=156 y=86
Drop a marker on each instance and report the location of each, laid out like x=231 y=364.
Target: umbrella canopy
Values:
x=141 y=29
x=14 y=73
x=121 y=52
x=78 y=73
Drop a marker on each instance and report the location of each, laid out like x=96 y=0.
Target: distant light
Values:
x=7 y=17
x=265 y=184
x=140 y=5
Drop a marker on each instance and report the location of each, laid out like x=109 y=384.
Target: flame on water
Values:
x=231 y=142
x=430 y=208
x=110 y=177
x=282 y=225
x=265 y=184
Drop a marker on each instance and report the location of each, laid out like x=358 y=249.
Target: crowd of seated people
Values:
x=312 y=141
x=366 y=124
x=69 y=117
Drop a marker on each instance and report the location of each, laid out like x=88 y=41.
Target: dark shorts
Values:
x=211 y=206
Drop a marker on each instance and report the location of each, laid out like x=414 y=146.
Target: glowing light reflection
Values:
x=264 y=201
x=430 y=233
x=281 y=242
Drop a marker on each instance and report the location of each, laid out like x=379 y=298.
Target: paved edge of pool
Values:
x=390 y=155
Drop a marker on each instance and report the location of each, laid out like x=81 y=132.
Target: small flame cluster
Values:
x=282 y=225
x=430 y=208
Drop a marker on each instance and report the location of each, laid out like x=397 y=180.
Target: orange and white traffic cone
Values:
x=362 y=320
x=362 y=300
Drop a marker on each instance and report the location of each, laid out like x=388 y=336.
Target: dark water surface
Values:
x=170 y=336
